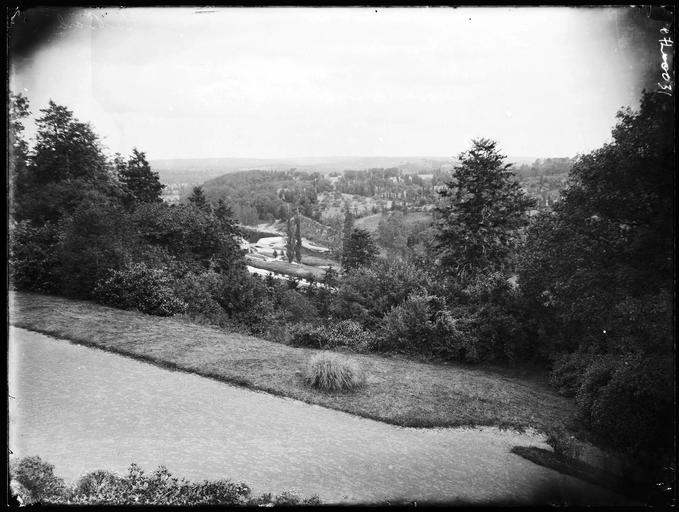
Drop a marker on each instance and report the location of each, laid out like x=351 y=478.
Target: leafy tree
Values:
x=223 y=211
x=289 y=243
x=17 y=148
x=598 y=273
x=66 y=148
x=67 y=163
x=191 y=235
x=330 y=276
x=38 y=478
x=224 y=214
x=139 y=180
x=482 y=210
x=608 y=247
x=348 y=224
x=197 y=198
x=33 y=257
x=366 y=294
x=359 y=250
x=298 y=238
x=392 y=233
x=95 y=238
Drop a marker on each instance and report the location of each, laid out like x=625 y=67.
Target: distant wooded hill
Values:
x=198 y=170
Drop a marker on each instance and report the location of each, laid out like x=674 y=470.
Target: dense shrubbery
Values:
x=596 y=375
x=635 y=409
x=421 y=325
x=200 y=291
x=597 y=276
x=343 y=334
x=627 y=400
x=37 y=484
x=38 y=479
x=366 y=294
x=568 y=371
x=139 y=287
x=293 y=306
x=33 y=257
x=329 y=371
x=493 y=312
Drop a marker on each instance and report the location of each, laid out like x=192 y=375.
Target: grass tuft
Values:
x=328 y=371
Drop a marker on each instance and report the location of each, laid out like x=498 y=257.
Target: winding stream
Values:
x=83 y=409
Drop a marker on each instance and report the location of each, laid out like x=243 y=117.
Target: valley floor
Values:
x=398 y=391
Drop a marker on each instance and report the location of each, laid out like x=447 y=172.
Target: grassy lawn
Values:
x=283 y=267
x=398 y=391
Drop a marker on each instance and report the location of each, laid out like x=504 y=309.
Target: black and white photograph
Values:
x=361 y=256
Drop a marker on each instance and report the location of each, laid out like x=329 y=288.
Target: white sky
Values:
x=287 y=82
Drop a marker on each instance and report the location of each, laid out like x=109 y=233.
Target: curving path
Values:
x=84 y=409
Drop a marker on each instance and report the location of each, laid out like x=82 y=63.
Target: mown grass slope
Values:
x=397 y=391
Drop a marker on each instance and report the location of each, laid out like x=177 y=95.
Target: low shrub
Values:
x=285 y=498
x=408 y=326
x=564 y=444
x=498 y=331
x=140 y=287
x=492 y=288
x=199 y=292
x=453 y=338
x=344 y=334
x=366 y=294
x=247 y=299
x=34 y=482
x=305 y=335
x=33 y=258
x=332 y=372
x=568 y=371
x=294 y=306
x=595 y=377
x=97 y=482
x=349 y=334
x=626 y=400
x=421 y=324
x=38 y=478
x=496 y=317
x=635 y=409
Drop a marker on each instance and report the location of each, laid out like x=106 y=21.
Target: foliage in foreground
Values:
x=597 y=274
x=34 y=482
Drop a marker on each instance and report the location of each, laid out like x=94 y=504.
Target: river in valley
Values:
x=83 y=409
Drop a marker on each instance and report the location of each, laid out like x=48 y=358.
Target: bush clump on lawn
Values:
x=421 y=324
x=33 y=481
x=347 y=334
x=140 y=287
x=333 y=372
